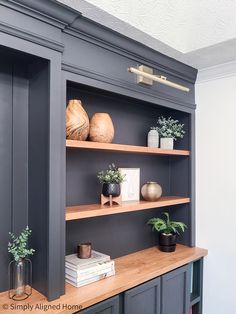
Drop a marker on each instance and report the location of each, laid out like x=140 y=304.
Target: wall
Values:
x=216 y=184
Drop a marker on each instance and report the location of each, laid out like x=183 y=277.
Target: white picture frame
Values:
x=130 y=188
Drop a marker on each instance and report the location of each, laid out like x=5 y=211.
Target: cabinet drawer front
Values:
x=176 y=291
x=110 y=306
x=143 y=299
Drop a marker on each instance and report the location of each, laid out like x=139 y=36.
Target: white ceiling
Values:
x=198 y=32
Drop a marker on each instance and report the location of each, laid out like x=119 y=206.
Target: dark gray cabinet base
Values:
x=168 y=294
x=110 y=306
x=145 y=298
x=176 y=291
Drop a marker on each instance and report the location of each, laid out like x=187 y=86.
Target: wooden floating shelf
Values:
x=94 y=210
x=125 y=148
x=131 y=270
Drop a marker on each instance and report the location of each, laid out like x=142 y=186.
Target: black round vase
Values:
x=167 y=242
x=112 y=189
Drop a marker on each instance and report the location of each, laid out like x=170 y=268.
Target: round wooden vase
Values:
x=101 y=128
x=77 y=121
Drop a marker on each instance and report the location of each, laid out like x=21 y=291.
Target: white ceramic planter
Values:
x=153 y=138
x=167 y=143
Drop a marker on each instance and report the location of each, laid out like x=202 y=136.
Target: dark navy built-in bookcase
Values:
x=50 y=54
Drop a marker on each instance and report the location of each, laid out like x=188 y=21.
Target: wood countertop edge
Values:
x=133 y=283
x=72 y=295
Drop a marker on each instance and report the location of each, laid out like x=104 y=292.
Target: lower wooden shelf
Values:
x=94 y=210
x=131 y=270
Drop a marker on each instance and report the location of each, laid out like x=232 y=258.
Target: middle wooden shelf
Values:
x=94 y=210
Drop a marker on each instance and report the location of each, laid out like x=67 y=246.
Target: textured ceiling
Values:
x=198 y=32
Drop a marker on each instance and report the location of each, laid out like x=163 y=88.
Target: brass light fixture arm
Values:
x=157 y=78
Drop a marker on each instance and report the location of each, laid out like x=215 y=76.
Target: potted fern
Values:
x=111 y=180
x=169 y=130
x=168 y=231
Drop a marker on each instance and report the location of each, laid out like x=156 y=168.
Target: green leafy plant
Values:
x=169 y=128
x=111 y=175
x=166 y=225
x=18 y=245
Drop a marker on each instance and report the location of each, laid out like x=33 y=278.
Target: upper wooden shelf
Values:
x=94 y=210
x=125 y=148
x=131 y=270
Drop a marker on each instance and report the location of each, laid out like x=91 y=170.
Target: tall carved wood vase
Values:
x=101 y=128
x=77 y=121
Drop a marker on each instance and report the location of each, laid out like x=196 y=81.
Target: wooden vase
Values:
x=101 y=128
x=77 y=121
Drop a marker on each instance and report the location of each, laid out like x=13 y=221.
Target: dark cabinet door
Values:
x=144 y=299
x=176 y=291
x=109 y=306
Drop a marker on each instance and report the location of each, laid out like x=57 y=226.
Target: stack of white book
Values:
x=81 y=272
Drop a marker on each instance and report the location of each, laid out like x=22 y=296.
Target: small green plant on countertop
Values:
x=166 y=226
x=18 y=245
x=111 y=175
x=169 y=128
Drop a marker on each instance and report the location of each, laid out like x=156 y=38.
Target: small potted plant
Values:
x=168 y=231
x=20 y=268
x=111 y=180
x=169 y=130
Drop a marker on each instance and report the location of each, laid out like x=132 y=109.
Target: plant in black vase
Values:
x=168 y=231
x=111 y=180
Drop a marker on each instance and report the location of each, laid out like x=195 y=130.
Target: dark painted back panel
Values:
x=14 y=151
x=83 y=186
x=20 y=147
x=5 y=165
x=24 y=157
x=38 y=170
x=132 y=120
x=116 y=235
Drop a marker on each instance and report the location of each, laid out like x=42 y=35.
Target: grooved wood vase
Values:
x=77 y=121
x=101 y=128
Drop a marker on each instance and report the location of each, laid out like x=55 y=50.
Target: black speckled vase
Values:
x=112 y=189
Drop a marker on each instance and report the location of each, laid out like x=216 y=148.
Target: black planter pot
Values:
x=167 y=243
x=112 y=189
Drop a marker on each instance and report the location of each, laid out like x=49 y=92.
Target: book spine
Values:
x=90 y=270
x=91 y=280
x=96 y=273
x=87 y=264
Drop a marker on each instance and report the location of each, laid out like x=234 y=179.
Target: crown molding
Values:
x=216 y=72
x=29 y=36
x=83 y=27
x=49 y=11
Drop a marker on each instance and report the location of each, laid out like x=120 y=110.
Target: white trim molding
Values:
x=216 y=72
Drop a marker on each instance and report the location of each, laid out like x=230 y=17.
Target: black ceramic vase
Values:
x=112 y=189
x=167 y=242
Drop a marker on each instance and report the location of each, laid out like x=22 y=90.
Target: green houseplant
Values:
x=168 y=230
x=20 y=268
x=169 y=130
x=111 y=179
x=18 y=246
